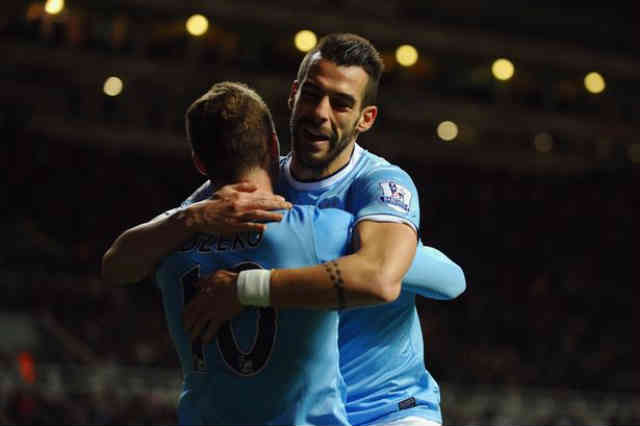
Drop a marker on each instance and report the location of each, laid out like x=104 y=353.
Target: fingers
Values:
x=235 y=208
x=254 y=227
x=196 y=316
x=219 y=277
x=245 y=196
x=271 y=204
x=198 y=326
x=243 y=187
x=260 y=216
x=251 y=187
x=190 y=315
x=260 y=200
x=245 y=222
x=242 y=225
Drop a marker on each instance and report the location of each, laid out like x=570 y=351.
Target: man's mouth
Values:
x=315 y=135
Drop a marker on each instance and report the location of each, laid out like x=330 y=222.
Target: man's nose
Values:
x=322 y=110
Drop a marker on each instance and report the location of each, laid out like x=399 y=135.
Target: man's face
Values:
x=326 y=110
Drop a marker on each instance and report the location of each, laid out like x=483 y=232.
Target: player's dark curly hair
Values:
x=230 y=128
x=347 y=49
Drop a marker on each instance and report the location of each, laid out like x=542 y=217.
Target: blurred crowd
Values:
x=549 y=268
x=34 y=407
x=547 y=259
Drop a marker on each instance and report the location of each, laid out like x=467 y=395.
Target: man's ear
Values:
x=197 y=162
x=275 y=156
x=275 y=146
x=292 y=94
x=367 y=118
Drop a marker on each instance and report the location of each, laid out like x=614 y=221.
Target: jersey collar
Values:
x=326 y=182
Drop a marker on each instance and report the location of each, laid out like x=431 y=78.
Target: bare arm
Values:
x=137 y=251
x=233 y=208
x=373 y=274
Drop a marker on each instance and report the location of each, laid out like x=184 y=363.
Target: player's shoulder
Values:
x=374 y=167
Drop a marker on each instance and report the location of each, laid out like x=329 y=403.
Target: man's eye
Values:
x=340 y=104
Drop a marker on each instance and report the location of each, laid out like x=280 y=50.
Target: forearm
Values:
x=372 y=275
x=434 y=275
x=349 y=281
x=136 y=252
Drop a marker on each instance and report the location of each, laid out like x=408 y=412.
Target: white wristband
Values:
x=253 y=287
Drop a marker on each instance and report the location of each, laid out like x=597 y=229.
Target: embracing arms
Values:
x=233 y=208
x=371 y=275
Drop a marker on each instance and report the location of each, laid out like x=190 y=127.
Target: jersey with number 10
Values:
x=266 y=366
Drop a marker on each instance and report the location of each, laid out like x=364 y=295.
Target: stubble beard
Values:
x=318 y=166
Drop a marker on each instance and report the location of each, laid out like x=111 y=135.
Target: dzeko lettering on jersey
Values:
x=206 y=243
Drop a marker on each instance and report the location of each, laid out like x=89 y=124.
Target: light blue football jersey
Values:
x=381 y=347
x=266 y=366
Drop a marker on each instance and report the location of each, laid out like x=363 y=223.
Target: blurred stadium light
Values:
x=594 y=82
x=447 y=131
x=197 y=25
x=502 y=69
x=113 y=86
x=305 y=40
x=53 y=7
x=406 y=55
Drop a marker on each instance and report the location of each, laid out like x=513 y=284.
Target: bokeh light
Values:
x=502 y=69
x=406 y=55
x=305 y=40
x=197 y=25
x=447 y=130
x=27 y=367
x=113 y=86
x=594 y=82
x=53 y=7
x=543 y=142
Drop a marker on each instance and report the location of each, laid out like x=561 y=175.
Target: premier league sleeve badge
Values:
x=395 y=196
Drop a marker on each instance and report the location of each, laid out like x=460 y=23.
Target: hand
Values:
x=236 y=208
x=216 y=303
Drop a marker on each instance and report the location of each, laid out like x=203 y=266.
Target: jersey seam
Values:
x=403 y=219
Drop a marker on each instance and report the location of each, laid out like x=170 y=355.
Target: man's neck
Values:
x=259 y=177
x=302 y=173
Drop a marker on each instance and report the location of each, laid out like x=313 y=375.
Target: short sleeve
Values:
x=202 y=193
x=386 y=194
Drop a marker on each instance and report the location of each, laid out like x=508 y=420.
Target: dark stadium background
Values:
x=535 y=197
